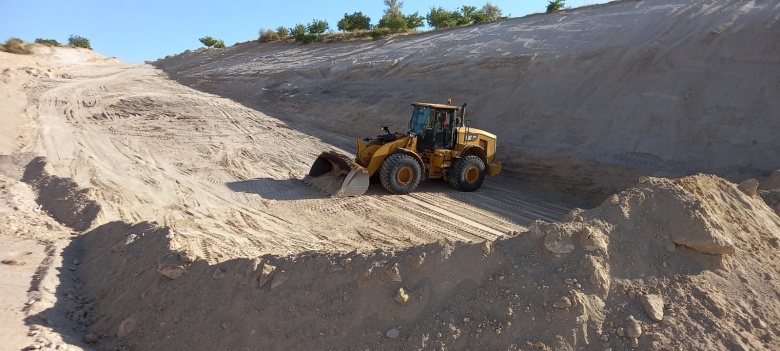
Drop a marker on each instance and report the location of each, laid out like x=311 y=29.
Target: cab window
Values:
x=420 y=119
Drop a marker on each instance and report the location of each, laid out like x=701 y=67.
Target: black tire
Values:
x=467 y=173
x=400 y=174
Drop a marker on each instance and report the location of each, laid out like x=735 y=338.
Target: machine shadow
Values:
x=277 y=189
x=296 y=189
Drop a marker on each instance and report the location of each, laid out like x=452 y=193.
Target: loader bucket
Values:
x=338 y=175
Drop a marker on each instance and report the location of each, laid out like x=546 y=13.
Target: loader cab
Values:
x=434 y=125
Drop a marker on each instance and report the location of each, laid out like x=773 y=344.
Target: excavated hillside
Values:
x=142 y=212
x=582 y=100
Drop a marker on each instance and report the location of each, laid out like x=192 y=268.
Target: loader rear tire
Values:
x=400 y=174
x=468 y=173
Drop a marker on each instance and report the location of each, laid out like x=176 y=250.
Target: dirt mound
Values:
x=61 y=197
x=690 y=256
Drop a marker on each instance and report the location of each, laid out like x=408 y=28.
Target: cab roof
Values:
x=439 y=106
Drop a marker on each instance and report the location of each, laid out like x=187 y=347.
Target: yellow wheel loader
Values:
x=439 y=144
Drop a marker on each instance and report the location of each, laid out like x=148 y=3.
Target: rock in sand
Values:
x=593 y=239
x=634 y=343
x=654 y=306
x=563 y=302
x=188 y=256
x=401 y=297
x=393 y=333
x=749 y=187
x=171 y=266
x=120 y=246
x=393 y=273
x=634 y=329
x=558 y=243
x=127 y=327
x=172 y=271
x=266 y=275
x=90 y=338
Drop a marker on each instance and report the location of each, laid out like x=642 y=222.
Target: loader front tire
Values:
x=400 y=174
x=467 y=173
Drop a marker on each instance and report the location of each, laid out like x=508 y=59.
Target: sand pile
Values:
x=679 y=264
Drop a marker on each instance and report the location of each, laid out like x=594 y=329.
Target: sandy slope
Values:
x=661 y=87
x=226 y=178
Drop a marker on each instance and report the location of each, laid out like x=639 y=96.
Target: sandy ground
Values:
x=225 y=178
x=21 y=258
x=143 y=213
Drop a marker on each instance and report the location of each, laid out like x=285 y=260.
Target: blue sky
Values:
x=135 y=31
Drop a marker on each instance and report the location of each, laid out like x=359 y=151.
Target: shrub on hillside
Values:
x=283 y=32
x=396 y=23
x=378 y=32
x=79 y=42
x=439 y=18
x=317 y=27
x=355 y=21
x=311 y=38
x=466 y=16
x=49 y=42
x=393 y=18
x=298 y=32
x=17 y=46
x=208 y=41
x=268 y=35
x=414 y=21
x=555 y=5
x=212 y=42
x=492 y=13
x=310 y=33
